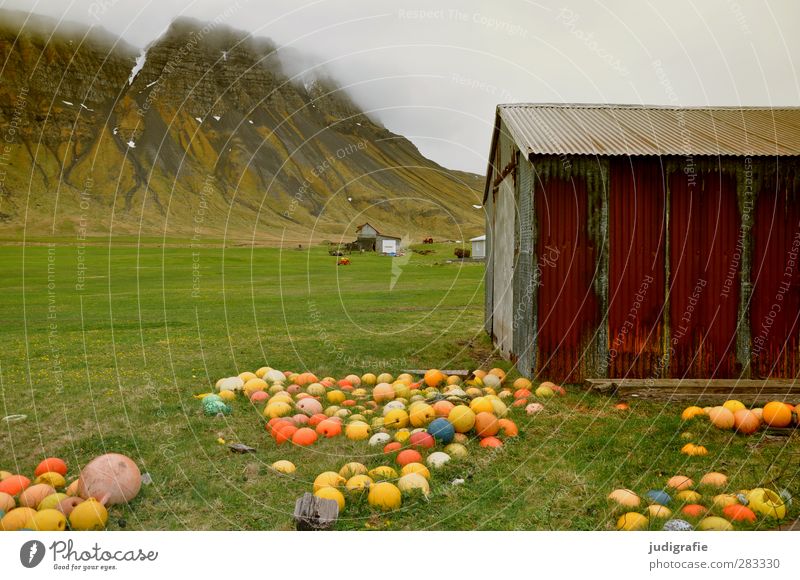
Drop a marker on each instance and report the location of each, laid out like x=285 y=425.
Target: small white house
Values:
x=479 y=247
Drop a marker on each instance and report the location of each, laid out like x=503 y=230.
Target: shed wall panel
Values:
x=523 y=272
x=704 y=227
x=503 y=272
x=488 y=275
x=567 y=310
x=775 y=305
x=637 y=239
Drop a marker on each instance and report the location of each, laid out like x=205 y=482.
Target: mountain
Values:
x=206 y=133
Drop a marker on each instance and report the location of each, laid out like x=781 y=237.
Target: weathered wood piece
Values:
x=315 y=513
x=240 y=448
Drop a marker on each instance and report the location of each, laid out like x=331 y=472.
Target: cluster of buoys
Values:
x=734 y=415
x=48 y=503
x=680 y=505
x=406 y=417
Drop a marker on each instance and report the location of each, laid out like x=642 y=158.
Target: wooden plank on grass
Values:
x=315 y=513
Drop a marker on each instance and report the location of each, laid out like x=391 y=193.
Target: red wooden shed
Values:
x=644 y=242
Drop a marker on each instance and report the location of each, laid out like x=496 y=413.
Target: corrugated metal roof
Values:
x=582 y=129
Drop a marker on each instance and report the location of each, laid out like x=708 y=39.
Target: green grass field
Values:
x=103 y=348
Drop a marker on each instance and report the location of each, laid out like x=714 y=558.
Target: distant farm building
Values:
x=644 y=242
x=371 y=240
x=479 y=247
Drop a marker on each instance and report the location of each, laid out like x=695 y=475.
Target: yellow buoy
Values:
x=416 y=468
x=358 y=484
x=51 y=501
x=16 y=519
x=284 y=466
x=53 y=479
x=714 y=524
x=47 y=520
x=89 y=515
x=348 y=470
x=631 y=521
x=382 y=473
x=462 y=418
x=385 y=496
x=328 y=479
x=331 y=493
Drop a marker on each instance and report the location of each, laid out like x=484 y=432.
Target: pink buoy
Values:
x=309 y=406
x=111 y=479
x=259 y=396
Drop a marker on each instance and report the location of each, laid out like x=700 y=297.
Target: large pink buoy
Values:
x=111 y=478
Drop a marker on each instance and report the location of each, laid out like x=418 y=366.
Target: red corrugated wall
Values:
x=704 y=292
x=567 y=307
x=775 y=304
x=693 y=285
x=637 y=239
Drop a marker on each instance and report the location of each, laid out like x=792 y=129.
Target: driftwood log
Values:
x=315 y=513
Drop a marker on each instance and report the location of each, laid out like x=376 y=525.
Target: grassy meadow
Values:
x=103 y=347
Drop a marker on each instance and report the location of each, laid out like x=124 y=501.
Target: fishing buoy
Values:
x=89 y=515
x=112 y=478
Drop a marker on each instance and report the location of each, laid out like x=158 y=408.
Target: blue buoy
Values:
x=442 y=430
x=659 y=497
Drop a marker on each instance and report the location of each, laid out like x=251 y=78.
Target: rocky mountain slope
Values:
x=203 y=134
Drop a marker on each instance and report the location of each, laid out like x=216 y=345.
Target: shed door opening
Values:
x=389 y=246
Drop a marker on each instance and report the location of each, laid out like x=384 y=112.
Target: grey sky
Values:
x=436 y=75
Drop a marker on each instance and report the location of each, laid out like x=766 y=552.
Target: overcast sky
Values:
x=434 y=71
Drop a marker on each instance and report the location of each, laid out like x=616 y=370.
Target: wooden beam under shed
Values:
x=700 y=391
